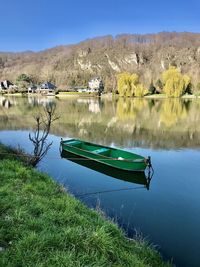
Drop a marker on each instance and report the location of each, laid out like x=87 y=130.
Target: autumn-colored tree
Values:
x=128 y=85
x=196 y=90
x=140 y=90
x=175 y=84
x=124 y=84
x=134 y=81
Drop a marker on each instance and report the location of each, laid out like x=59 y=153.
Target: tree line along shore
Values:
x=172 y=83
x=43 y=224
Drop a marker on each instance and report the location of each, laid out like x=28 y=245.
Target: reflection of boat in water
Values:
x=128 y=176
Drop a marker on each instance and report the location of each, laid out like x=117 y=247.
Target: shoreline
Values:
x=106 y=95
x=44 y=224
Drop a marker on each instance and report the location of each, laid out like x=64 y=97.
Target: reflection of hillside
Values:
x=156 y=123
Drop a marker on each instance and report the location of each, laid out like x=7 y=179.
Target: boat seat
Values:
x=73 y=142
x=100 y=150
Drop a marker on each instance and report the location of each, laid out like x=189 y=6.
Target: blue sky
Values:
x=40 y=24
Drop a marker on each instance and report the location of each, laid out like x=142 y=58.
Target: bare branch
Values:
x=39 y=137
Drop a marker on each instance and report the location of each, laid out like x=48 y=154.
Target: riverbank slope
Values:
x=42 y=225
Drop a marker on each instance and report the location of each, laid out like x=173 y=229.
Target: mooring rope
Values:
x=108 y=191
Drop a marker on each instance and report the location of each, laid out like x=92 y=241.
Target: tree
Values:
x=134 y=80
x=159 y=86
x=196 y=89
x=128 y=85
x=152 y=88
x=124 y=84
x=189 y=88
x=140 y=90
x=101 y=88
x=175 y=84
x=39 y=136
x=198 y=86
x=23 y=77
x=23 y=81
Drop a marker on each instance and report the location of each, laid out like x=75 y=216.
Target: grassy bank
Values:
x=157 y=96
x=42 y=225
x=75 y=94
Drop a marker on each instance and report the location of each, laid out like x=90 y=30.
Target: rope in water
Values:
x=108 y=191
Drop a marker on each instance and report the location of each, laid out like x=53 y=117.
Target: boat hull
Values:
x=113 y=157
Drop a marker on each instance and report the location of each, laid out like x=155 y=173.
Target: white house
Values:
x=82 y=90
x=32 y=88
x=96 y=85
x=46 y=88
x=5 y=85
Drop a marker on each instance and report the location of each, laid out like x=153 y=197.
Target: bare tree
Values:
x=39 y=136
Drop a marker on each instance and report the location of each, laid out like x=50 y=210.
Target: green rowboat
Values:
x=113 y=157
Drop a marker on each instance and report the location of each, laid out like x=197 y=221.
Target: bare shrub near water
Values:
x=39 y=136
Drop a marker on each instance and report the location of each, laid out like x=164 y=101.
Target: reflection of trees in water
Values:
x=172 y=111
x=147 y=113
x=142 y=122
x=128 y=109
x=132 y=122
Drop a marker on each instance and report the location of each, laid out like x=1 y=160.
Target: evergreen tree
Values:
x=23 y=78
x=152 y=88
x=23 y=81
x=159 y=86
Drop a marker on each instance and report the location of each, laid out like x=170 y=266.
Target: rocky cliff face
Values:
x=147 y=55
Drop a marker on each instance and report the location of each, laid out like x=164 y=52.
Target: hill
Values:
x=148 y=55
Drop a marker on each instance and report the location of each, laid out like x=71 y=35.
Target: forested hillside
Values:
x=147 y=55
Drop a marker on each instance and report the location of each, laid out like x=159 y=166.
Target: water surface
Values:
x=168 y=130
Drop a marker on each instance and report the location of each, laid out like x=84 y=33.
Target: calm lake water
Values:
x=168 y=212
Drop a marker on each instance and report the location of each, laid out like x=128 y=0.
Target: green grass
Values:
x=42 y=225
x=156 y=96
x=165 y=96
x=77 y=94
